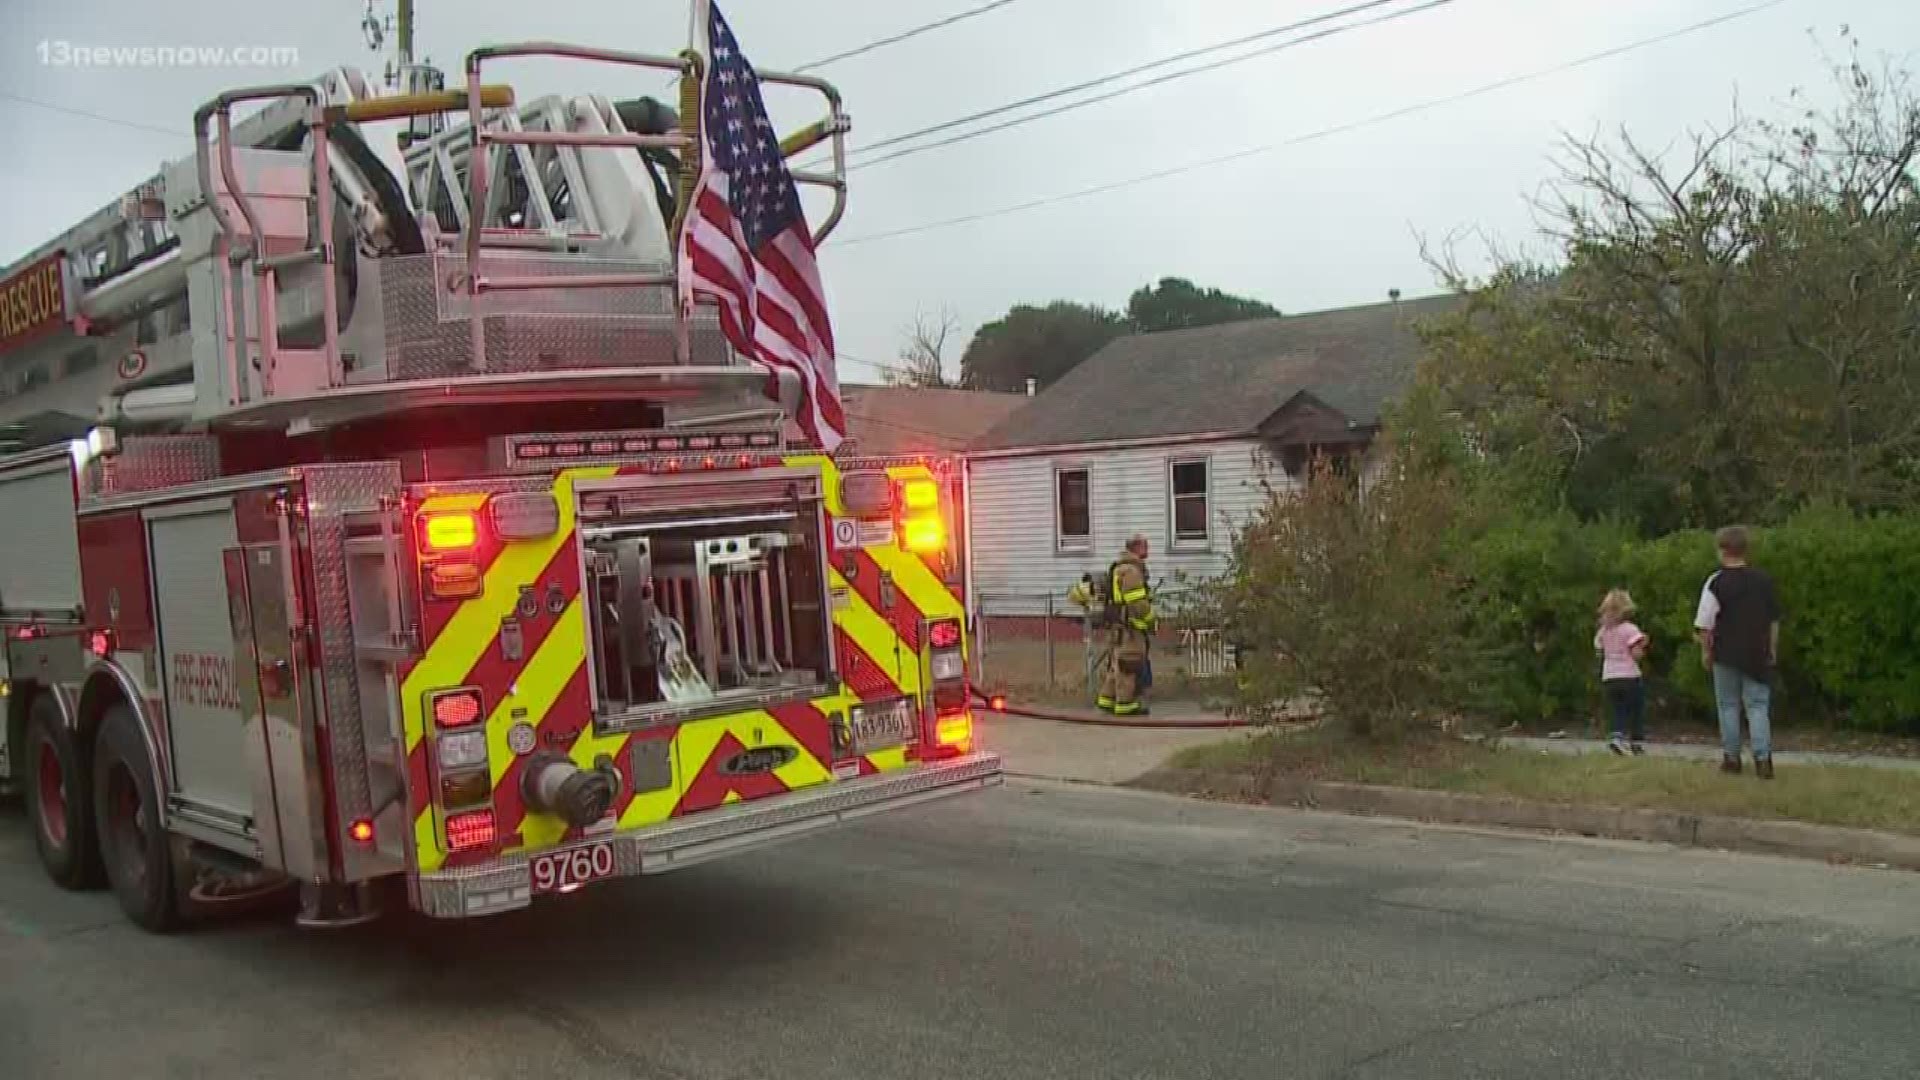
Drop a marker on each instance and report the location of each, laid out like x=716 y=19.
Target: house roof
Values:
x=905 y=419
x=1227 y=378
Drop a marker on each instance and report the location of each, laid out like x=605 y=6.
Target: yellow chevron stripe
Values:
x=534 y=693
x=873 y=633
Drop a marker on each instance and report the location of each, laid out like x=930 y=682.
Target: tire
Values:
x=59 y=794
x=133 y=836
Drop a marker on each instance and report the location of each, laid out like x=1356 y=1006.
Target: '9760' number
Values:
x=560 y=870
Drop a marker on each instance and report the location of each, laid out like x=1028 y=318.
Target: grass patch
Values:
x=1858 y=797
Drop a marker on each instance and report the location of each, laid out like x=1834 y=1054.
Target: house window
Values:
x=1073 y=509
x=1187 y=480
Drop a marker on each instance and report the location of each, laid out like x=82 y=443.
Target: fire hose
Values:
x=999 y=704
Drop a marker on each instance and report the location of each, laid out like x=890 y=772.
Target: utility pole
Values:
x=405 y=32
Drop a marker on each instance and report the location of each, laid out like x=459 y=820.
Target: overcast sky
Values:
x=1327 y=223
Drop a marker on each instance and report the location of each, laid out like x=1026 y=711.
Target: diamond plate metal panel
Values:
x=429 y=335
x=152 y=462
x=333 y=492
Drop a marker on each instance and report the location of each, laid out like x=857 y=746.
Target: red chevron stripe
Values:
x=564 y=723
x=902 y=615
x=861 y=673
x=493 y=673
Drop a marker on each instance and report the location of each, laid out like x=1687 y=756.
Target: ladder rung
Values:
x=568 y=138
x=291 y=258
x=573 y=281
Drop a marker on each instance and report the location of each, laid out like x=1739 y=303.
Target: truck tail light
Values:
x=925 y=534
x=954 y=731
x=361 y=831
x=463 y=789
x=462 y=749
x=456 y=708
x=918 y=517
x=449 y=553
x=455 y=581
x=456 y=530
x=920 y=495
x=470 y=830
x=947 y=671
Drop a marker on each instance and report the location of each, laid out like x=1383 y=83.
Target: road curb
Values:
x=1756 y=835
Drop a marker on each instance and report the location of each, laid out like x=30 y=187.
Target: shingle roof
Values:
x=904 y=420
x=1226 y=378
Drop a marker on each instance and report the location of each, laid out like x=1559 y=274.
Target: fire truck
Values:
x=369 y=532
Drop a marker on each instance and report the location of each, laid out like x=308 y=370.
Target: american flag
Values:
x=746 y=244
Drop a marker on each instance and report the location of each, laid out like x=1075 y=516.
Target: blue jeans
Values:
x=1733 y=689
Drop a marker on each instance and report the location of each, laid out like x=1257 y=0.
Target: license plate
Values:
x=882 y=725
x=565 y=871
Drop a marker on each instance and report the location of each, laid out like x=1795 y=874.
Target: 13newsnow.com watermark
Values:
x=73 y=54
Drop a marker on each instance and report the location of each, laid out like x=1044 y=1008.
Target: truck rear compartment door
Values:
x=202 y=664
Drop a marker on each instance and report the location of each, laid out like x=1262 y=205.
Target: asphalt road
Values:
x=1035 y=931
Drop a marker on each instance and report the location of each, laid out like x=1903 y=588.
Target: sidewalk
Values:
x=1093 y=752
x=1704 y=752
x=1089 y=753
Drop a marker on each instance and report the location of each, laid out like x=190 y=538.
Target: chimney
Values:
x=1032 y=385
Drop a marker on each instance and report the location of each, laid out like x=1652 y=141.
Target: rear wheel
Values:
x=133 y=841
x=59 y=798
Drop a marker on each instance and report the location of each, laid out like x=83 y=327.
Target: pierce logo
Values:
x=761 y=759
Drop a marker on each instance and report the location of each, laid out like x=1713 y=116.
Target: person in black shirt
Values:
x=1739 y=626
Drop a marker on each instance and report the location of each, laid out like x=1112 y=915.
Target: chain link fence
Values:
x=1041 y=647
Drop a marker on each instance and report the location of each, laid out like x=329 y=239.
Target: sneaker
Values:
x=1763 y=768
x=1618 y=745
x=1729 y=764
x=1639 y=749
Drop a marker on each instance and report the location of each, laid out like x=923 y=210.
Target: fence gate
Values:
x=1206 y=653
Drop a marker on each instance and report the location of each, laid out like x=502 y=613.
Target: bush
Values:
x=1850 y=587
x=1350 y=600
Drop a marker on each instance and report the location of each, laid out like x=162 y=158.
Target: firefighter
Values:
x=1130 y=623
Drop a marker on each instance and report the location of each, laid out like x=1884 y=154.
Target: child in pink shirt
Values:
x=1621 y=646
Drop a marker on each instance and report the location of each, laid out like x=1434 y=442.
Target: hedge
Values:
x=1850 y=640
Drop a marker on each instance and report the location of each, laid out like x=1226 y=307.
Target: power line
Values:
x=902 y=36
x=1340 y=129
x=50 y=106
x=1317 y=35
x=897 y=369
x=1116 y=75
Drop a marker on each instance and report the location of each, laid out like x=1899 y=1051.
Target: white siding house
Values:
x=1042 y=520
x=1179 y=436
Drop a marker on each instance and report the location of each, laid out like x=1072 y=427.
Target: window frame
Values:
x=1189 y=542
x=1063 y=543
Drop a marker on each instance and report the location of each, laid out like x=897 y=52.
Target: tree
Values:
x=1176 y=304
x=1039 y=343
x=923 y=355
x=1726 y=334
